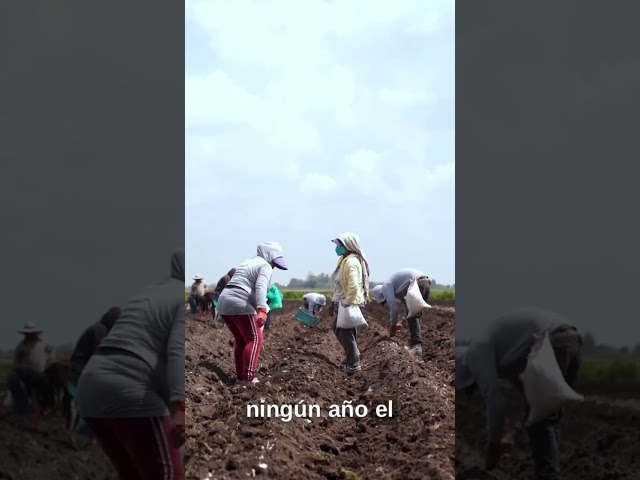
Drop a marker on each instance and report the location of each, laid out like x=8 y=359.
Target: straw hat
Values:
x=198 y=277
x=29 y=328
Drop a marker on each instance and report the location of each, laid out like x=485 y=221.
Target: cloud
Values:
x=304 y=118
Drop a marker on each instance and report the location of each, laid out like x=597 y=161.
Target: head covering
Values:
x=198 y=277
x=464 y=378
x=29 y=328
x=177 y=264
x=321 y=300
x=377 y=294
x=272 y=253
x=351 y=242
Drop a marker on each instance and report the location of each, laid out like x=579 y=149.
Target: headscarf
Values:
x=352 y=243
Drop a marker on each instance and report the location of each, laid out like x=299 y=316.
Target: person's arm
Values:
x=262 y=286
x=482 y=364
x=175 y=359
x=352 y=279
x=389 y=294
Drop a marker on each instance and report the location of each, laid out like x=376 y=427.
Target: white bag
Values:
x=350 y=317
x=544 y=385
x=415 y=302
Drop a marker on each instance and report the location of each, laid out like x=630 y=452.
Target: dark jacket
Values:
x=222 y=283
x=88 y=343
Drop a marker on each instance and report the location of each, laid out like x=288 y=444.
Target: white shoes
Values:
x=245 y=383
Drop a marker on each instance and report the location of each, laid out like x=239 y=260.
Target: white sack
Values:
x=350 y=317
x=544 y=385
x=415 y=302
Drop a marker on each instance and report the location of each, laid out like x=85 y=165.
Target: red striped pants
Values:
x=248 y=338
x=139 y=448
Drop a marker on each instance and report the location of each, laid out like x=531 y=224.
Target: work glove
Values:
x=393 y=329
x=262 y=316
x=178 y=418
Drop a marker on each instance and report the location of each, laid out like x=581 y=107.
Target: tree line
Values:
x=322 y=281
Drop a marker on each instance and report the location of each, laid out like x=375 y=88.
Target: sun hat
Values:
x=198 y=277
x=29 y=328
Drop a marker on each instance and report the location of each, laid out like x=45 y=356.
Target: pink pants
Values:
x=248 y=337
x=139 y=448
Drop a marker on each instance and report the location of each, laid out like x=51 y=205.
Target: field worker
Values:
x=313 y=303
x=131 y=393
x=243 y=307
x=274 y=302
x=26 y=380
x=501 y=352
x=396 y=286
x=86 y=346
x=218 y=290
x=196 y=294
x=351 y=287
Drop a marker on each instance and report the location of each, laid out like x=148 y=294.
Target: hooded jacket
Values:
x=351 y=276
x=151 y=327
x=395 y=286
x=501 y=352
x=246 y=292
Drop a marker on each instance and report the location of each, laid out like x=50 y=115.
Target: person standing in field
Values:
x=313 y=302
x=196 y=295
x=501 y=351
x=218 y=291
x=351 y=287
x=395 y=287
x=26 y=380
x=244 y=308
x=86 y=346
x=131 y=392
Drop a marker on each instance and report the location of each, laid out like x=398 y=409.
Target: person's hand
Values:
x=262 y=317
x=178 y=418
x=393 y=329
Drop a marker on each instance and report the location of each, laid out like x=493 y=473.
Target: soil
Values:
x=46 y=454
x=598 y=438
x=301 y=364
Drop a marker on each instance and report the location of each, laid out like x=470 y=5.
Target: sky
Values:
x=304 y=120
x=76 y=244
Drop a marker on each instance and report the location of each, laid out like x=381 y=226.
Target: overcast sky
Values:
x=308 y=119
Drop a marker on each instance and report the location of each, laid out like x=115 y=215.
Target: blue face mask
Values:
x=340 y=250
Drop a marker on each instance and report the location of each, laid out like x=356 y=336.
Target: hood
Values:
x=177 y=265
x=464 y=378
x=377 y=294
x=270 y=251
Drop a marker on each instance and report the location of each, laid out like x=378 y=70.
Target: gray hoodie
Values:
x=501 y=351
x=247 y=289
x=396 y=287
x=151 y=327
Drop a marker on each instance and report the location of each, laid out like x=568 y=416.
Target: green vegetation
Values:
x=5 y=365
x=348 y=474
x=291 y=294
x=615 y=368
x=320 y=458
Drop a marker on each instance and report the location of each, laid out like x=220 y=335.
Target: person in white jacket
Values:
x=313 y=302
